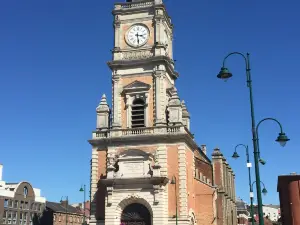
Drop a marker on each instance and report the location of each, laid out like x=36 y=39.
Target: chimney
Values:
x=203 y=149
x=64 y=203
x=1 y=170
x=293 y=173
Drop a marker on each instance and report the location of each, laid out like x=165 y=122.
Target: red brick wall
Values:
x=204 y=168
x=173 y=170
x=204 y=211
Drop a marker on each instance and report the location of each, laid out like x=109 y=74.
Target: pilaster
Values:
x=183 y=209
x=116 y=101
x=94 y=181
x=160 y=97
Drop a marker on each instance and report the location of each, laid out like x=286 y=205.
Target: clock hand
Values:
x=137 y=36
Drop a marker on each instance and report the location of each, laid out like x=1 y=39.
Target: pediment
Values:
x=137 y=86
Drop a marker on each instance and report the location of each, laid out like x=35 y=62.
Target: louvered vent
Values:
x=138 y=113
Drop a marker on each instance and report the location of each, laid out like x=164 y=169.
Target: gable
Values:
x=137 y=85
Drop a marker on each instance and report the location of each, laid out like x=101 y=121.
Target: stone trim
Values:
x=183 y=198
x=94 y=181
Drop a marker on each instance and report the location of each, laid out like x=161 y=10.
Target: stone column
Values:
x=116 y=101
x=94 y=181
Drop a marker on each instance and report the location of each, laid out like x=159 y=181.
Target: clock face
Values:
x=137 y=35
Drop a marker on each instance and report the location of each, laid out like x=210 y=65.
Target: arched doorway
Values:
x=136 y=214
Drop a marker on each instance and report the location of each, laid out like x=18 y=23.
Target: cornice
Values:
x=144 y=140
x=167 y=61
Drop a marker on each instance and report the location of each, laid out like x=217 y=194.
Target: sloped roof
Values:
x=58 y=207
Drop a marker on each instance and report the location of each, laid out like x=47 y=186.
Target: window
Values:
x=26 y=205
x=10 y=203
x=54 y=217
x=5 y=203
x=16 y=204
x=25 y=192
x=138 y=113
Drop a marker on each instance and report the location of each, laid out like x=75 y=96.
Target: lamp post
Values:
x=264 y=192
x=83 y=190
x=235 y=156
x=174 y=181
x=225 y=74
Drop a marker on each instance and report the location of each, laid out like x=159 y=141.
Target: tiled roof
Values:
x=58 y=207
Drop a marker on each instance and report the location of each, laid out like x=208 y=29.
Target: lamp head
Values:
x=282 y=139
x=224 y=74
x=81 y=189
x=264 y=191
x=235 y=155
x=262 y=162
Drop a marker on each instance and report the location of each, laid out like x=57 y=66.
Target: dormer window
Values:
x=138 y=113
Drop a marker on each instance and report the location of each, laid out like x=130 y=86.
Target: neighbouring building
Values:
x=146 y=167
x=20 y=203
x=84 y=209
x=61 y=214
x=272 y=212
x=243 y=214
x=289 y=196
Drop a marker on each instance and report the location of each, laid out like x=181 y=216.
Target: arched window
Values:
x=138 y=113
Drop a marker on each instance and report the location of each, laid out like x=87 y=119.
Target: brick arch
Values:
x=132 y=199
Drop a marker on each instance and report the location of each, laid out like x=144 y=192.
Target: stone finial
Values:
x=103 y=114
x=217 y=152
x=174 y=100
x=103 y=106
x=185 y=113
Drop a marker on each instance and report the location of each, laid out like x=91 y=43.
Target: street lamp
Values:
x=225 y=74
x=174 y=181
x=249 y=165
x=282 y=139
x=264 y=190
x=83 y=190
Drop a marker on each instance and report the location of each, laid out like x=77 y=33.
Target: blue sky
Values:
x=53 y=72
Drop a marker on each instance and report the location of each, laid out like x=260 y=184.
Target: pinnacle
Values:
x=217 y=152
x=103 y=106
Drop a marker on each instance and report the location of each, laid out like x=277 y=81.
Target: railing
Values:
x=134 y=5
x=141 y=131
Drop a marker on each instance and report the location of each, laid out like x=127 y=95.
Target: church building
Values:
x=146 y=168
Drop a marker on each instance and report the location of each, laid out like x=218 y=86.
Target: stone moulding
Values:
x=137 y=55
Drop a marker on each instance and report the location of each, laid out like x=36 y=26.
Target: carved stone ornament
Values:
x=133 y=196
x=111 y=159
x=155 y=193
x=137 y=55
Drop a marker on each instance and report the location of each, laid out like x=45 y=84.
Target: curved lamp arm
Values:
x=257 y=126
x=260 y=182
x=247 y=62
x=236 y=53
x=246 y=148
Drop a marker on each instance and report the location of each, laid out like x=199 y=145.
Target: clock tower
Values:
x=146 y=167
